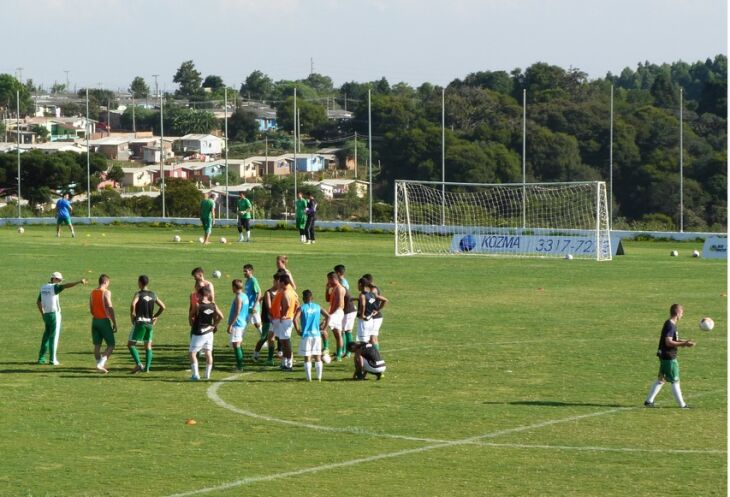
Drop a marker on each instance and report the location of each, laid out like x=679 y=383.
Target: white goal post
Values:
x=568 y=220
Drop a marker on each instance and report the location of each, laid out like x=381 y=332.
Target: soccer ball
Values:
x=176 y=238
x=216 y=274
x=706 y=324
x=223 y=240
x=327 y=358
x=569 y=257
x=695 y=253
x=201 y=239
x=674 y=253
x=21 y=230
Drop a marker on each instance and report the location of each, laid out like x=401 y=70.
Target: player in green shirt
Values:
x=301 y=215
x=207 y=215
x=245 y=208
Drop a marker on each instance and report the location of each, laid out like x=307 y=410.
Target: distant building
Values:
x=111 y=148
x=209 y=145
x=136 y=176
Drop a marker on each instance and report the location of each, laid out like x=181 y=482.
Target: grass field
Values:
x=505 y=377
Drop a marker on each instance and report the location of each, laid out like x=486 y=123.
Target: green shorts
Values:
x=101 y=330
x=141 y=332
x=669 y=370
x=207 y=225
x=63 y=220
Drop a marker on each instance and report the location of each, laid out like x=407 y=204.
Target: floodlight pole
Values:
x=294 y=128
x=162 y=154
x=681 y=162
x=225 y=113
x=88 y=158
x=17 y=130
x=610 y=167
x=355 y=157
x=524 y=166
x=370 y=156
x=443 y=156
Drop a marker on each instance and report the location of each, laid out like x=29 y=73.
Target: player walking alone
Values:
x=207 y=216
x=64 y=209
x=311 y=218
x=245 y=211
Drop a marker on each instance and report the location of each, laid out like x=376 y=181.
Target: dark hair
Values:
x=144 y=280
x=276 y=276
x=284 y=278
x=237 y=284
x=340 y=269
x=674 y=309
x=307 y=294
x=197 y=270
x=332 y=274
x=247 y=266
x=363 y=281
x=352 y=346
x=368 y=277
x=204 y=291
x=103 y=279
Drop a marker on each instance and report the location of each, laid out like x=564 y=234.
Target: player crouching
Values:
x=367 y=360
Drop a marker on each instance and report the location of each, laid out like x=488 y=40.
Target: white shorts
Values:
x=377 y=369
x=336 y=320
x=377 y=323
x=349 y=321
x=237 y=334
x=201 y=342
x=310 y=346
x=282 y=328
x=364 y=329
x=254 y=318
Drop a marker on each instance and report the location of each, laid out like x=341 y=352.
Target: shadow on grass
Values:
x=553 y=403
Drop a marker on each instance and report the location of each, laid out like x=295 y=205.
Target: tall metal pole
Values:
x=524 y=155
x=162 y=154
x=370 y=157
x=134 y=122
x=88 y=158
x=443 y=156
x=355 y=155
x=225 y=106
x=266 y=151
x=610 y=167
x=681 y=161
x=295 y=143
x=17 y=130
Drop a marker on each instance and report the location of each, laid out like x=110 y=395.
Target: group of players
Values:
x=275 y=313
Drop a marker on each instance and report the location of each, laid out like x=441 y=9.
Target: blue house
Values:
x=310 y=163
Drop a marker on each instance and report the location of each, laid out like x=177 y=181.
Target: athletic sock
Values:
x=248 y=236
x=194 y=370
x=102 y=361
x=348 y=339
x=238 y=351
x=208 y=369
x=148 y=359
x=308 y=370
x=135 y=356
x=326 y=347
x=270 y=353
x=318 y=368
x=677 y=392
x=376 y=346
x=654 y=391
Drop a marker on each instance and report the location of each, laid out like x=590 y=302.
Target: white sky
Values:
x=112 y=41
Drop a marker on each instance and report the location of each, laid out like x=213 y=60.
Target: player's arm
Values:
x=382 y=300
x=217 y=318
x=238 y=305
x=39 y=304
x=361 y=306
x=82 y=281
x=291 y=278
x=267 y=299
x=297 y=314
x=671 y=343
x=132 y=307
x=327 y=292
x=212 y=292
x=326 y=316
x=192 y=312
x=110 y=309
x=160 y=309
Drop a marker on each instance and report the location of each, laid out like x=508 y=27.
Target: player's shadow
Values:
x=552 y=403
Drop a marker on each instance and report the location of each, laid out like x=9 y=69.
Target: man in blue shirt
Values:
x=310 y=330
x=63 y=215
x=237 y=318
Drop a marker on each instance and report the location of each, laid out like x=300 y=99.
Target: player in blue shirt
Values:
x=63 y=215
x=237 y=318
x=253 y=292
x=309 y=326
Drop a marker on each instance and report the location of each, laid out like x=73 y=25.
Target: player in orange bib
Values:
x=103 y=323
x=283 y=306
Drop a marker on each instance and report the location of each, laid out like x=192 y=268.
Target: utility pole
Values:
x=356 y=155
x=225 y=110
x=17 y=129
x=162 y=155
x=68 y=84
x=88 y=159
x=157 y=89
x=20 y=74
x=370 y=157
x=311 y=66
x=295 y=142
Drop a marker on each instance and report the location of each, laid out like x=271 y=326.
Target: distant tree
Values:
x=115 y=173
x=139 y=88
x=665 y=92
x=311 y=115
x=182 y=198
x=41 y=131
x=215 y=83
x=9 y=86
x=319 y=83
x=182 y=121
x=189 y=80
x=257 y=86
x=71 y=109
x=242 y=126
x=58 y=88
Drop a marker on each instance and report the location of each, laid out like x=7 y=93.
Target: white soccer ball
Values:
x=706 y=324
x=176 y=238
x=695 y=253
x=674 y=253
x=223 y=240
x=201 y=239
x=569 y=257
x=216 y=274
x=327 y=358
x=21 y=230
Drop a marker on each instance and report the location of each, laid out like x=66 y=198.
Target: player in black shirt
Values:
x=143 y=316
x=667 y=352
x=367 y=360
x=203 y=318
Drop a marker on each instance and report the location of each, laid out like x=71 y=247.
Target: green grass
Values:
x=517 y=352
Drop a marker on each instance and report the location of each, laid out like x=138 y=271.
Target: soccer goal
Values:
x=568 y=220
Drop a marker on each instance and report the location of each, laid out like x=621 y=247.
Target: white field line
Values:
x=601 y=449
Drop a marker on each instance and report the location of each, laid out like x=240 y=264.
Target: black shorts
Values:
x=244 y=223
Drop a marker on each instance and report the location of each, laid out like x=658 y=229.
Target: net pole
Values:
x=370 y=158
x=395 y=212
x=524 y=164
x=408 y=221
x=598 y=219
x=443 y=156
x=610 y=165
x=681 y=163
x=162 y=157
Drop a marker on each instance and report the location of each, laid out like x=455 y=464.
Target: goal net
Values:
x=532 y=219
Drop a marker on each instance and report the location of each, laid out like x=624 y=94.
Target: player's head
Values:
x=284 y=280
x=204 y=293
x=676 y=311
x=353 y=346
x=143 y=281
x=281 y=261
x=247 y=270
x=56 y=277
x=340 y=270
x=369 y=278
x=66 y=195
x=236 y=285
x=311 y=195
x=332 y=278
x=212 y=195
x=363 y=283
x=307 y=295
x=242 y=194
x=104 y=280
x=197 y=273
x=300 y=194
